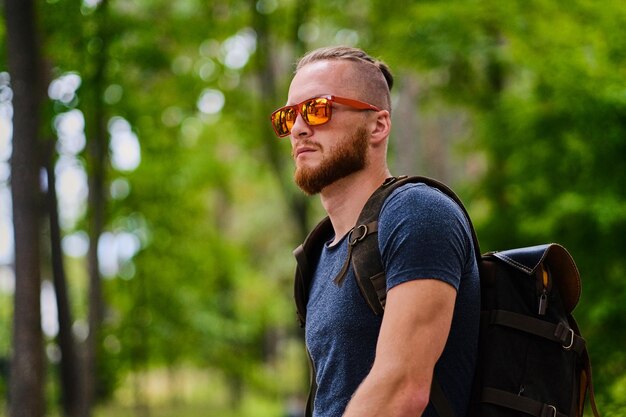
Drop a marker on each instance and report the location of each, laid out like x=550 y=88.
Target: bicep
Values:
x=415 y=327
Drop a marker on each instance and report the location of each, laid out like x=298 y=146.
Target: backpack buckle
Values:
x=571 y=340
x=362 y=229
x=548 y=411
x=566 y=335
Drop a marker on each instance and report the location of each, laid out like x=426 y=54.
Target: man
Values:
x=338 y=120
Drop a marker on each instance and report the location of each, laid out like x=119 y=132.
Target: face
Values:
x=326 y=153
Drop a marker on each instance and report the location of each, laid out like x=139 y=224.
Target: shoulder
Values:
x=418 y=216
x=420 y=200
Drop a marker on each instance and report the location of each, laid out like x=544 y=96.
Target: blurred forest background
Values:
x=147 y=212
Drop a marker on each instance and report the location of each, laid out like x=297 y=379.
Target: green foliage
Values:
x=212 y=205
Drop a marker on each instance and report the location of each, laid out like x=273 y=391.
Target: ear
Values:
x=380 y=128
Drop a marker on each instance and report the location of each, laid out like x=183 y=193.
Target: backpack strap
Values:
x=307 y=255
x=519 y=403
x=586 y=383
x=560 y=333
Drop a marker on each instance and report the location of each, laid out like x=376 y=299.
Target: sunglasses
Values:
x=314 y=111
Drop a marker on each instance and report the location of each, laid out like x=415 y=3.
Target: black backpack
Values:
x=532 y=360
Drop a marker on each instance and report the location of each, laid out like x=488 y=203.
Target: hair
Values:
x=372 y=72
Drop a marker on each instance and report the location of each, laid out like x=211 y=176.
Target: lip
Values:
x=304 y=149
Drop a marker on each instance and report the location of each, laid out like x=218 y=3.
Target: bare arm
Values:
x=413 y=334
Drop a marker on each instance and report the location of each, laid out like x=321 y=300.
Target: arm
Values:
x=413 y=334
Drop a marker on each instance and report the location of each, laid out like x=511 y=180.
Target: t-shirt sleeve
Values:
x=423 y=234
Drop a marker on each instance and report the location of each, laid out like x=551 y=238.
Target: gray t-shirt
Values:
x=422 y=234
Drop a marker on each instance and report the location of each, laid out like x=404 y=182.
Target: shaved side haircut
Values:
x=372 y=77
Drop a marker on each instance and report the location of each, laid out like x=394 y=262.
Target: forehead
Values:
x=321 y=77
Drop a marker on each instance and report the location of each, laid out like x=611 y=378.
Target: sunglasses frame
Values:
x=300 y=109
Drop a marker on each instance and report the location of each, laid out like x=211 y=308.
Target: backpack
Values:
x=532 y=360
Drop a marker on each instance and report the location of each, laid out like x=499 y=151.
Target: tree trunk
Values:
x=26 y=390
x=97 y=157
x=70 y=368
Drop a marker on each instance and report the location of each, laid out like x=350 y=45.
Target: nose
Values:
x=300 y=128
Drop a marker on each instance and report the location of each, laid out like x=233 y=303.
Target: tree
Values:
x=97 y=144
x=27 y=364
x=70 y=374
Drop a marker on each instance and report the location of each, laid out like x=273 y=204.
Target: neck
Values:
x=344 y=199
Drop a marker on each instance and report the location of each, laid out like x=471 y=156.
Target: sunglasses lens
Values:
x=283 y=120
x=316 y=111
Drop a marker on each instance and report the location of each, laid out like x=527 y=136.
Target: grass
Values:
x=184 y=392
x=251 y=407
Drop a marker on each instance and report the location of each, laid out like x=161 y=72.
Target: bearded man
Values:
x=338 y=119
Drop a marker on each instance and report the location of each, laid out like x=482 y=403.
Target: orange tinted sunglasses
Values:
x=314 y=111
